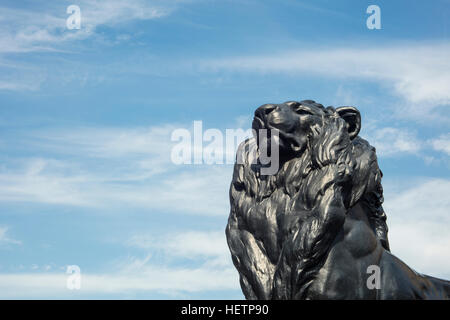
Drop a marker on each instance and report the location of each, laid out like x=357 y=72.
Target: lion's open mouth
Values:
x=285 y=140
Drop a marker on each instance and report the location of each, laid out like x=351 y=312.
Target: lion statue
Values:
x=315 y=228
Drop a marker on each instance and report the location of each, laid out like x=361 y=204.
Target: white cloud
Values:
x=107 y=142
x=33 y=185
x=116 y=168
x=43 y=28
x=134 y=275
x=420 y=74
x=19 y=85
x=195 y=245
x=200 y=191
x=391 y=142
x=5 y=239
x=111 y=12
x=148 y=279
x=419 y=221
x=442 y=143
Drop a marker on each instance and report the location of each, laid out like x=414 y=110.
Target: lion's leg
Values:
x=314 y=239
x=249 y=257
x=304 y=251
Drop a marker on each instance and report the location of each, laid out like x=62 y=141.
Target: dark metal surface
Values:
x=312 y=230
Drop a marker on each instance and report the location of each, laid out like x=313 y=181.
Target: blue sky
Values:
x=86 y=118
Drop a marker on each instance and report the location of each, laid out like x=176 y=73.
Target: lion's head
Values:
x=296 y=122
x=319 y=150
x=309 y=136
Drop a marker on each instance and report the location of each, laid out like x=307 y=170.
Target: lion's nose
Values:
x=264 y=110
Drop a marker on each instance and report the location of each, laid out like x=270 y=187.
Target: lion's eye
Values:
x=302 y=111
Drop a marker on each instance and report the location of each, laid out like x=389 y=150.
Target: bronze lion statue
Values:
x=315 y=228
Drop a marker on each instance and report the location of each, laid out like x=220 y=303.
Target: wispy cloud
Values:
x=194 y=245
x=200 y=191
x=113 y=167
x=391 y=142
x=419 y=74
x=43 y=28
x=442 y=143
x=99 y=12
x=148 y=279
x=97 y=142
x=40 y=181
x=418 y=220
x=213 y=271
x=5 y=239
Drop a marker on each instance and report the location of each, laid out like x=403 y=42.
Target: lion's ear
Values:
x=352 y=116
